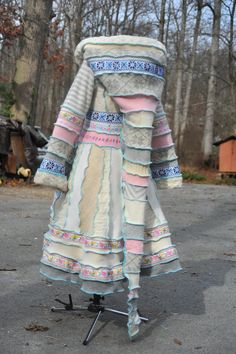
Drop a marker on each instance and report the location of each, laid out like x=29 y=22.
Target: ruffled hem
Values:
x=164 y=261
x=87 y=286
x=106 y=288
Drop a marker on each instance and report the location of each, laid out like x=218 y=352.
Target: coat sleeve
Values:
x=53 y=169
x=164 y=167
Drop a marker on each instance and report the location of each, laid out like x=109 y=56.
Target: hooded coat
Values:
x=110 y=152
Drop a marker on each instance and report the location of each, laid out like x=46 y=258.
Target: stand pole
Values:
x=94 y=306
x=85 y=342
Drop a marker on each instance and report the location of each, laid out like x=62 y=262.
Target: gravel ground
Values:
x=192 y=311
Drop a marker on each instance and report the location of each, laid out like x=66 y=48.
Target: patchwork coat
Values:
x=110 y=151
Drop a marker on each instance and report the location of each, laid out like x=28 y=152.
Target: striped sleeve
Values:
x=164 y=167
x=53 y=169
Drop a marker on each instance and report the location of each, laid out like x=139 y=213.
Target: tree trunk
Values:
x=168 y=24
x=28 y=64
x=162 y=22
x=179 y=72
x=231 y=65
x=190 y=73
x=211 y=95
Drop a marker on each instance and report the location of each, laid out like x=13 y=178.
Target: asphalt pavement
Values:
x=192 y=311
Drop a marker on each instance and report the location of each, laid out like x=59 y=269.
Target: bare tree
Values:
x=162 y=21
x=180 y=24
x=232 y=62
x=28 y=64
x=211 y=94
x=179 y=70
x=189 y=80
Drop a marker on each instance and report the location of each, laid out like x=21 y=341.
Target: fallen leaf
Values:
x=33 y=327
x=177 y=341
x=194 y=274
x=230 y=254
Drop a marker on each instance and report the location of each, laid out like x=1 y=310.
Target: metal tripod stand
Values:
x=94 y=306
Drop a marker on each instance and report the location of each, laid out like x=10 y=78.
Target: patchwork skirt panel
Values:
x=85 y=240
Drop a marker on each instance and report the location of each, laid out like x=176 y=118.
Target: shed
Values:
x=227 y=154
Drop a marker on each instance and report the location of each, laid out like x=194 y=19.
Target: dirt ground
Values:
x=192 y=311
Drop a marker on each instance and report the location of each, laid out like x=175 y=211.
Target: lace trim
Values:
x=88 y=242
x=157 y=232
x=164 y=255
x=70 y=117
x=85 y=272
x=104 y=274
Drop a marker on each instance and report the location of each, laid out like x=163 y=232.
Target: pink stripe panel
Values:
x=162 y=141
x=161 y=126
x=135 y=103
x=135 y=180
x=65 y=135
x=100 y=139
x=160 y=131
x=134 y=246
x=69 y=125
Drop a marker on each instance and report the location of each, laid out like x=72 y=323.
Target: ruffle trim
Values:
x=105 y=274
x=87 y=286
x=85 y=272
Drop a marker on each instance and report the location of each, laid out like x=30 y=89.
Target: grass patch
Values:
x=193 y=176
x=206 y=176
x=229 y=181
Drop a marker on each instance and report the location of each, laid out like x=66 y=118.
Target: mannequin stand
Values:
x=94 y=306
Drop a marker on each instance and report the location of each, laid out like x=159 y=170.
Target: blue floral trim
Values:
x=118 y=65
x=52 y=166
x=172 y=171
x=107 y=117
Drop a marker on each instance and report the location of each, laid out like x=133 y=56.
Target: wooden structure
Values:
x=227 y=155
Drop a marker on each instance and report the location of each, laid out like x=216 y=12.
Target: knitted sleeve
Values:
x=53 y=170
x=164 y=167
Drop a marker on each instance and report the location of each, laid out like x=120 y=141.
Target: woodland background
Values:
x=38 y=39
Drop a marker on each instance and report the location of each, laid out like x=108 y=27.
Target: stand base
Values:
x=94 y=306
